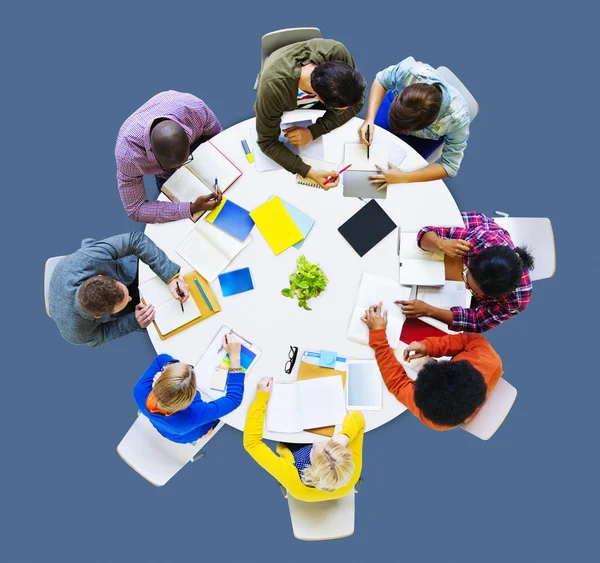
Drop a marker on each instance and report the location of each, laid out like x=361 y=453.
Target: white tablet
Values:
x=363 y=386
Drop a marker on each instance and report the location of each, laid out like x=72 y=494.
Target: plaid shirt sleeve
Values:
x=471 y=219
x=203 y=119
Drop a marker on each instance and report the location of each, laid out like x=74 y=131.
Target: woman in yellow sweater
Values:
x=325 y=470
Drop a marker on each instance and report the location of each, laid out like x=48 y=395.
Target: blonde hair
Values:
x=175 y=389
x=331 y=469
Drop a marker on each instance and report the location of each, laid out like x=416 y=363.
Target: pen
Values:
x=329 y=180
x=216 y=186
x=368 y=139
x=180 y=295
x=203 y=294
x=398 y=247
x=246 y=148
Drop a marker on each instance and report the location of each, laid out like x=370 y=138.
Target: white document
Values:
x=419 y=267
x=371 y=291
x=314 y=403
x=168 y=314
x=452 y=294
x=356 y=154
x=209 y=250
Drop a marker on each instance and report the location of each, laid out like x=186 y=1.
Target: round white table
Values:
x=274 y=322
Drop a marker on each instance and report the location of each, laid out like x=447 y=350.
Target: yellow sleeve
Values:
x=354 y=428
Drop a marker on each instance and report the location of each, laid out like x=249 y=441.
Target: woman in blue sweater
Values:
x=167 y=395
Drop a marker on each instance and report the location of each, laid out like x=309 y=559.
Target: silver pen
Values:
x=398 y=246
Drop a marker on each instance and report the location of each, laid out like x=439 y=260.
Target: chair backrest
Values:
x=154 y=457
x=51 y=264
x=453 y=80
x=326 y=520
x=537 y=234
x=282 y=37
x=493 y=412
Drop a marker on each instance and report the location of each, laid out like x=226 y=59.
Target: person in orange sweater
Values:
x=445 y=393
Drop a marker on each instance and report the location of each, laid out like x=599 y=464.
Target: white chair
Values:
x=154 y=457
x=325 y=520
x=472 y=104
x=51 y=264
x=283 y=37
x=537 y=234
x=493 y=412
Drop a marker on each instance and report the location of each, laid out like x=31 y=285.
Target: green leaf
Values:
x=286 y=292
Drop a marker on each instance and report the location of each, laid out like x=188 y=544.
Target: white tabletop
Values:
x=274 y=322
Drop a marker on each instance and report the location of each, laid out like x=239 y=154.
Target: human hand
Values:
x=375 y=317
x=320 y=176
x=144 y=314
x=391 y=176
x=298 y=136
x=419 y=349
x=265 y=384
x=179 y=289
x=455 y=248
x=362 y=132
x=415 y=308
x=206 y=202
x=233 y=347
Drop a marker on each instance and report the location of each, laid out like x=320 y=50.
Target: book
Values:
x=302 y=220
x=232 y=219
x=417 y=266
x=379 y=155
x=372 y=290
x=210 y=250
x=451 y=294
x=317 y=165
x=197 y=178
x=311 y=403
x=367 y=227
x=276 y=224
x=168 y=314
x=235 y=282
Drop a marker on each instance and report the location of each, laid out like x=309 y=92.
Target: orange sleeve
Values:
x=450 y=345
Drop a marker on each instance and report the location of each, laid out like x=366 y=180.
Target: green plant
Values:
x=306 y=282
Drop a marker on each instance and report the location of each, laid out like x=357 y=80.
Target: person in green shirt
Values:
x=317 y=72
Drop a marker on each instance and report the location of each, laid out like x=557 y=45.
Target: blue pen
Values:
x=203 y=294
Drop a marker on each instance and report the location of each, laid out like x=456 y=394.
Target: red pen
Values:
x=329 y=180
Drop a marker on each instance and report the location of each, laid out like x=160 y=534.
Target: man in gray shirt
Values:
x=89 y=295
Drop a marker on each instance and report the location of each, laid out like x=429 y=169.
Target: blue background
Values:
x=71 y=75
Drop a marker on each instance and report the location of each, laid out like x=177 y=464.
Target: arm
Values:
x=204 y=120
x=354 y=428
x=453 y=150
x=105 y=332
x=432 y=238
x=223 y=406
x=487 y=315
x=450 y=345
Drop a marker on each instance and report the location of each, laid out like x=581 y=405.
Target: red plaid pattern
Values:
x=135 y=159
x=483 y=232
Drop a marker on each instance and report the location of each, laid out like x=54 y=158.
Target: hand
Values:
x=320 y=176
x=455 y=248
x=419 y=349
x=183 y=289
x=415 y=308
x=144 y=314
x=233 y=347
x=391 y=176
x=206 y=202
x=375 y=318
x=265 y=384
x=362 y=132
x=298 y=136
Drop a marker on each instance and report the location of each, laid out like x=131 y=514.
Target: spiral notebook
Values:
x=317 y=165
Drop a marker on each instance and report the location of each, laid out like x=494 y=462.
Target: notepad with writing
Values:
x=197 y=178
x=367 y=227
x=276 y=224
x=231 y=218
x=419 y=267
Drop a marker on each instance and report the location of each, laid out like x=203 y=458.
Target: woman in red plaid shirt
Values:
x=495 y=272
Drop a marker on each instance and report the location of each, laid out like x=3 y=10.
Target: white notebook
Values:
x=356 y=154
x=452 y=294
x=371 y=291
x=209 y=250
x=168 y=314
x=313 y=403
x=197 y=178
x=419 y=267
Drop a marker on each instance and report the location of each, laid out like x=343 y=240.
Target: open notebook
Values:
x=168 y=314
x=197 y=178
x=452 y=294
x=371 y=291
x=418 y=267
x=209 y=250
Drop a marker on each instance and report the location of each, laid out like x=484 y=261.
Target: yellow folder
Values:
x=276 y=225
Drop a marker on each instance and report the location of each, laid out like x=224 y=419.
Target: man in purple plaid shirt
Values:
x=496 y=273
x=156 y=140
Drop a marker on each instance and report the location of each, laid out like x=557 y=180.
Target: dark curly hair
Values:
x=448 y=393
x=100 y=295
x=337 y=84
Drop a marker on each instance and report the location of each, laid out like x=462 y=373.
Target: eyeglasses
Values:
x=186 y=161
x=292 y=355
x=464 y=277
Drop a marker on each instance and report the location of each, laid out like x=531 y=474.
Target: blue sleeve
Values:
x=207 y=412
x=453 y=151
x=395 y=76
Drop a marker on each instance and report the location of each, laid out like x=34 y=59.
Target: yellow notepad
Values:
x=276 y=225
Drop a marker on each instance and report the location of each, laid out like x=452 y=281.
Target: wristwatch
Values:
x=235 y=370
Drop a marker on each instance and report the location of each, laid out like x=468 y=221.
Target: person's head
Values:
x=415 y=108
x=175 y=388
x=448 y=393
x=331 y=466
x=103 y=295
x=337 y=84
x=497 y=270
x=170 y=144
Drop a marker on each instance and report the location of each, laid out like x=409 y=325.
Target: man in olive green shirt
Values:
x=321 y=69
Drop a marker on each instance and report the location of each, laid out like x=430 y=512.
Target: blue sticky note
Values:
x=237 y=281
x=327 y=359
x=234 y=220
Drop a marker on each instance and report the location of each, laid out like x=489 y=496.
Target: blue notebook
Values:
x=237 y=281
x=232 y=219
x=302 y=220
